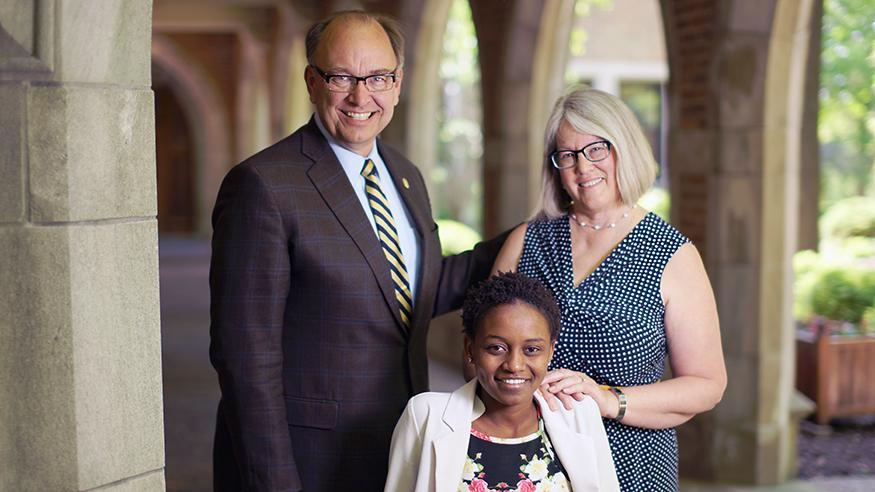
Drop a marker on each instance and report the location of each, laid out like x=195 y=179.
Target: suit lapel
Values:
x=576 y=450
x=451 y=450
x=409 y=190
x=329 y=179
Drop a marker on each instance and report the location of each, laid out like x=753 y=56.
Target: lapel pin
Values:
x=405 y=183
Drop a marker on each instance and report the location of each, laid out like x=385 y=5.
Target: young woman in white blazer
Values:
x=496 y=432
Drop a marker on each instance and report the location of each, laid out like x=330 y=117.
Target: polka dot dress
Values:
x=613 y=330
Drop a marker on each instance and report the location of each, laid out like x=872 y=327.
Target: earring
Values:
x=469 y=360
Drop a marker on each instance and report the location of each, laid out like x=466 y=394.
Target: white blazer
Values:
x=430 y=442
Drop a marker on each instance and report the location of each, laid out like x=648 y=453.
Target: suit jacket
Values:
x=430 y=442
x=313 y=361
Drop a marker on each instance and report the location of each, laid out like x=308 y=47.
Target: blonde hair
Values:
x=597 y=113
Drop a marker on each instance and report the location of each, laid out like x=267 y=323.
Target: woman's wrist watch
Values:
x=621 y=400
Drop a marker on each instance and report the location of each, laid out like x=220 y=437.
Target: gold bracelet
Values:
x=621 y=399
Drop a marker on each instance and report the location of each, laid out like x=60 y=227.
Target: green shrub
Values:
x=805 y=267
x=867 y=286
x=858 y=247
x=456 y=237
x=841 y=293
x=850 y=217
x=869 y=319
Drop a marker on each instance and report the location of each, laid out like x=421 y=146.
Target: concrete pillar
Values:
x=80 y=362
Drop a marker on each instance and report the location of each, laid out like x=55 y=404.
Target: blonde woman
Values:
x=632 y=289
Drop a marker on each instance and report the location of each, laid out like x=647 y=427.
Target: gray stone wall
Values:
x=80 y=362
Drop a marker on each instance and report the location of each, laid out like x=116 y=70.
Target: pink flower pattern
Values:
x=536 y=470
x=478 y=485
x=525 y=486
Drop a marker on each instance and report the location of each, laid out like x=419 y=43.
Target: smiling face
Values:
x=593 y=184
x=510 y=352
x=360 y=48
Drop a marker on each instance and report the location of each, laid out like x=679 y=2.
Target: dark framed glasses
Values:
x=341 y=82
x=594 y=152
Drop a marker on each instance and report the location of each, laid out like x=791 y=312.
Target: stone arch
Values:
x=786 y=80
x=548 y=83
x=423 y=79
x=737 y=79
x=507 y=40
x=292 y=106
x=424 y=83
x=209 y=123
x=253 y=104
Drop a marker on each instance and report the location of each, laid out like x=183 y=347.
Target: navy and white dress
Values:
x=613 y=330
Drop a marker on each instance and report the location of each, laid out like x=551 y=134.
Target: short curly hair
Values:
x=509 y=288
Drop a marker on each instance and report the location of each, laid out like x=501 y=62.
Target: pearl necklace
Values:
x=598 y=227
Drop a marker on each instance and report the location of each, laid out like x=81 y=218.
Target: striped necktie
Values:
x=388 y=235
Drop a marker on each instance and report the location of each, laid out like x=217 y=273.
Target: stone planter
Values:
x=836 y=371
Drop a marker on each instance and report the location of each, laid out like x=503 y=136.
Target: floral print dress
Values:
x=522 y=464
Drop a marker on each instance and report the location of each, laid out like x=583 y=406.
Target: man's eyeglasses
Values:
x=594 y=152
x=341 y=82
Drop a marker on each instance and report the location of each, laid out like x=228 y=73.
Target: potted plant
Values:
x=835 y=363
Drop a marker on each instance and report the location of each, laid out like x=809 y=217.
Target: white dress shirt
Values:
x=352 y=164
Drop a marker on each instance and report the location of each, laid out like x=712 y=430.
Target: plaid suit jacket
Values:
x=314 y=364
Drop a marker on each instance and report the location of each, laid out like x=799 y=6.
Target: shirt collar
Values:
x=344 y=155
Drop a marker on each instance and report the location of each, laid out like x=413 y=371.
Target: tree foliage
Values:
x=456 y=176
x=847 y=99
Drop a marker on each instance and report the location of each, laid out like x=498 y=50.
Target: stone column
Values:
x=507 y=39
x=809 y=157
x=737 y=69
x=80 y=361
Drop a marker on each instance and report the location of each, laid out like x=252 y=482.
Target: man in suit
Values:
x=326 y=270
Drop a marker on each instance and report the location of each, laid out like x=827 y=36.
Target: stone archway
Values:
x=507 y=39
x=736 y=85
x=291 y=100
x=175 y=162
x=786 y=83
x=424 y=83
x=548 y=83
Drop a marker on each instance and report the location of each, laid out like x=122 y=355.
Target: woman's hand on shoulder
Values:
x=509 y=256
x=565 y=386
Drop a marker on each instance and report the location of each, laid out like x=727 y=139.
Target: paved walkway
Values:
x=191 y=391
x=831 y=484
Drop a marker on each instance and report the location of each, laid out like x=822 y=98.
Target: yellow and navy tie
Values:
x=388 y=235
